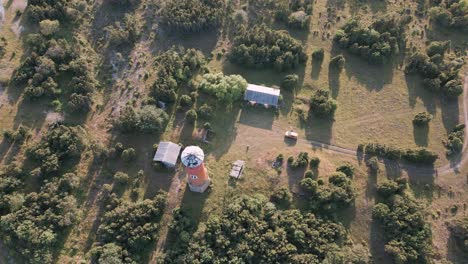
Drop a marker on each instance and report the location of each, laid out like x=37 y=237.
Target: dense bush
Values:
x=295 y=13
x=377 y=43
x=338 y=193
x=407 y=233
x=454 y=142
x=121 y=178
x=129 y=226
x=290 y=82
x=11 y=179
x=459 y=230
x=321 y=104
x=148 y=119
x=191 y=116
x=192 y=15
x=59 y=144
x=318 y=54
x=422 y=119
x=174 y=68
x=19 y=136
x=337 y=62
x=252 y=230
x=439 y=76
x=185 y=101
x=124 y=33
x=128 y=155
x=226 y=88
x=453 y=14
x=205 y=111
x=418 y=155
x=301 y=161
x=314 y=163
x=180 y=230
x=347 y=169
x=373 y=164
x=282 y=197
x=3 y=44
x=261 y=47
x=61 y=10
x=37 y=227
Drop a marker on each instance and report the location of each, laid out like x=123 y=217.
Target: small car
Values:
x=291 y=134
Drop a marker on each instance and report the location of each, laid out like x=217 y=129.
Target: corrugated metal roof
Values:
x=167 y=153
x=262 y=94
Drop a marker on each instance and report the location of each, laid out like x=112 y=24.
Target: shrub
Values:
x=452 y=15
x=337 y=62
x=422 y=119
x=148 y=120
x=186 y=100
x=347 y=169
x=454 y=142
x=301 y=161
x=417 y=155
x=205 y=112
x=459 y=230
x=3 y=44
x=282 y=197
x=226 y=88
x=314 y=162
x=191 y=116
x=438 y=47
x=373 y=164
x=49 y=27
x=321 y=104
x=121 y=178
x=309 y=174
x=290 y=82
x=318 y=54
x=128 y=155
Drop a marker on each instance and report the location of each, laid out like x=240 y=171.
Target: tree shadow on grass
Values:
x=204 y=41
x=319 y=129
x=455 y=254
x=377 y=244
x=334 y=81
x=421 y=135
x=295 y=175
x=346 y=215
x=193 y=203
x=417 y=90
x=450 y=113
x=257 y=116
x=316 y=69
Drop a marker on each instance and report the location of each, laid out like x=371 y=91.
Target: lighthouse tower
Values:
x=198 y=180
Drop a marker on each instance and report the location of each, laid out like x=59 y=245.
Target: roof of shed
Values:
x=167 y=152
x=262 y=94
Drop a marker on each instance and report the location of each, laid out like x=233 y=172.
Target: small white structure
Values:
x=237 y=169
x=257 y=94
x=167 y=153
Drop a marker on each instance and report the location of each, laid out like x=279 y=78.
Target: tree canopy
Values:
x=226 y=88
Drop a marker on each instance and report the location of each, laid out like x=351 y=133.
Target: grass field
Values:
x=375 y=104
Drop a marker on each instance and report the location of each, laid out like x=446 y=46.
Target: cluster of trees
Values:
x=127 y=228
x=439 y=76
x=253 y=230
x=148 y=119
x=459 y=230
x=296 y=13
x=417 y=155
x=261 y=47
x=36 y=224
x=58 y=145
x=180 y=233
x=322 y=105
x=175 y=67
x=377 y=43
x=226 y=88
x=11 y=181
x=62 y=10
x=454 y=142
x=21 y=134
x=192 y=15
x=407 y=233
x=451 y=14
x=300 y=162
x=124 y=33
x=290 y=82
x=338 y=193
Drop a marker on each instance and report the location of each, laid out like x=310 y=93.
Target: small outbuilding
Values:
x=257 y=94
x=167 y=153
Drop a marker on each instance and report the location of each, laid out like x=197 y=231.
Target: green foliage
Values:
x=148 y=120
x=347 y=169
x=3 y=45
x=174 y=68
x=180 y=230
x=337 y=62
x=11 y=180
x=322 y=105
x=406 y=231
x=226 y=88
x=128 y=155
x=186 y=100
x=261 y=47
x=451 y=15
x=282 y=197
x=296 y=13
x=129 y=228
x=417 y=155
x=377 y=43
x=454 y=142
x=339 y=193
x=309 y=174
x=61 y=10
x=301 y=161
x=314 y=163
x=252 y=230
x=191 y=116
x=205 y=112
x=19 y=136
x=318 y=54
x=59 y=144
x=35 y=229
x=439 y=76
x=49 y=27
x=121 y=178
x=459 y=230
x=422 y=119
x=124 y=33
x=438 y=47
x=373 y=164
x=192 y=15
x=290 y=82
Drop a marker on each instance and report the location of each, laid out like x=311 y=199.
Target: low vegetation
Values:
x=149 y=120
x=459 y=230
x=418 y=155
x=454 y=142
x=322 y=105
x=226 y=89
x=451 y=14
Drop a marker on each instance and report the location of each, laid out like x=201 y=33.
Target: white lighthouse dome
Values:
x=192 y=156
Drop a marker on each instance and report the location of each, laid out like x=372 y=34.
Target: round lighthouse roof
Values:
x=192 y=156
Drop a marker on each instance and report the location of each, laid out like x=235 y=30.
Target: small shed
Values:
x=262 y=95
x=237 y=169
x=167 y=153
